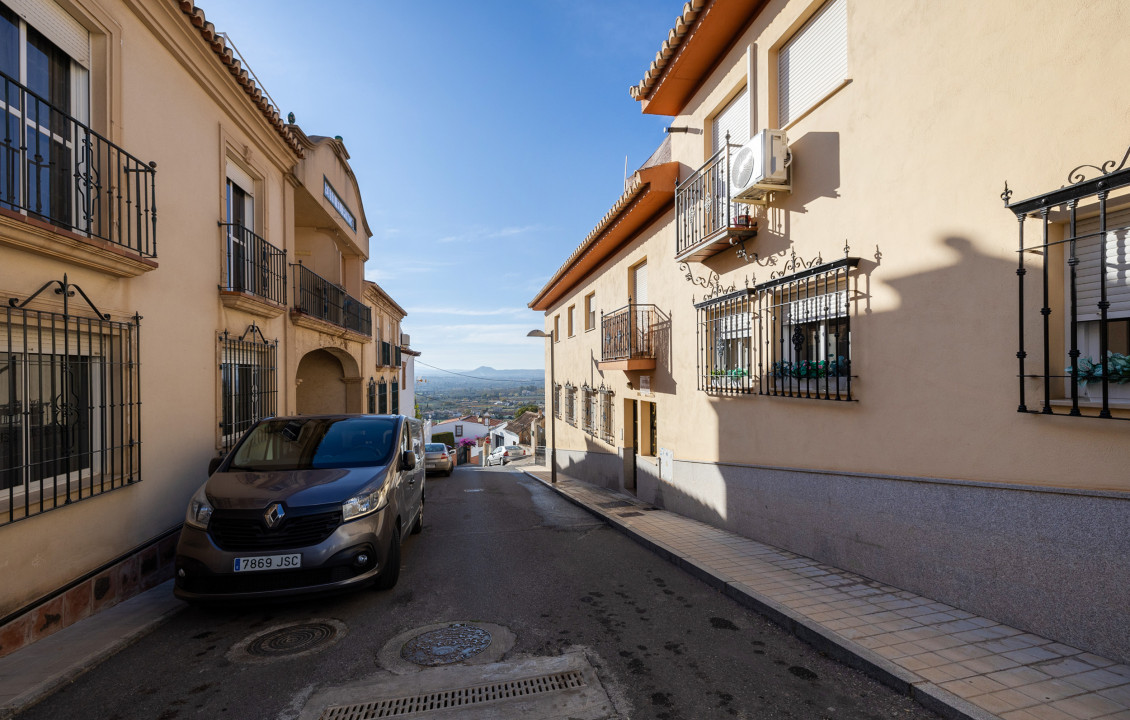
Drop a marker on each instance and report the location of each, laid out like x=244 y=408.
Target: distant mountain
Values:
x=484 y=373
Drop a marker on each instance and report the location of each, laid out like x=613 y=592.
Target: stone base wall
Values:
x=598 y=468
x=141 y=571
x=1045 y=560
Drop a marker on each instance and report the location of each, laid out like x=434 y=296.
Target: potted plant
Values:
x=1090 y=377
x=818 y=376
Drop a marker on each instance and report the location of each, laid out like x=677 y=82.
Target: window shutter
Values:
x=640 y=284
x=57 y=26
x=1117 y=266
x=813 y=62
x=733 y=119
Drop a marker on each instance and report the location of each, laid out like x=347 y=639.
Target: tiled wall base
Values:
x=148 y=568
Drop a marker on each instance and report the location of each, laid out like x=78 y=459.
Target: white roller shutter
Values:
x=639 y=283
x=733 y=119
x=57 y=26
x=813 y=62
x=1117 y=266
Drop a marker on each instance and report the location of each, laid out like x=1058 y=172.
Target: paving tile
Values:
x=1002 y=701
x=960 y=653
x=1050 y=690
x=1031 y=655
x=923 y=661
x=1120 y=695
x=1080 y=673
x=1037 y=712
x=1124 y=715
x=1017 y=677
x=1097 y=661
x=973 y=686
x=1088 y=707
x=992 y=663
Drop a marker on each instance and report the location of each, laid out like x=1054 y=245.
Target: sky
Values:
x=488 y=139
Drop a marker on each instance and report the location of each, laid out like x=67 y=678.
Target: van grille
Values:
x=235 y=530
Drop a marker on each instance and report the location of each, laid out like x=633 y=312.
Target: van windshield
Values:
x=310 y=443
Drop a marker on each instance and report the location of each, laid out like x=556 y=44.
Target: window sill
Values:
x=301 y=319
x=31 y=235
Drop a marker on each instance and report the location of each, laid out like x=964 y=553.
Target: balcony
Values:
x=55 y=170
x=318 y=298
x=707 y=221
x=628 y=337
x=386 y=354
x=254 y=272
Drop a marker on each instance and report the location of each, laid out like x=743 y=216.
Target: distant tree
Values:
x=525 y=408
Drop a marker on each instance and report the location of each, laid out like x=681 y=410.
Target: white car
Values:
x=505 y=453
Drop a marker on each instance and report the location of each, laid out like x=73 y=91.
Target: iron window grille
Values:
x=557 y=400
x=570 y=403
x=606 y=419
x=318 y=297
x=1079 y=256
x=804 y=332
x=252 y=265
x=70 y=404
x=395 y=398
x=587 y=415
x=372 y=396
x=382 y=397
x=55 y=168
x=248 y=382
x=725 y=344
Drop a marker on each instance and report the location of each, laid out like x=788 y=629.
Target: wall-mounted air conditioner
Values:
x=760 y=167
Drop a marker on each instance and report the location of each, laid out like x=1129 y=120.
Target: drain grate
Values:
x=460 y=698
x=292 y=640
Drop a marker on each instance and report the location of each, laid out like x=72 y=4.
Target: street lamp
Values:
x=551 y=410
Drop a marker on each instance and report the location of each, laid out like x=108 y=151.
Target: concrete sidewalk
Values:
x=953 y=662
x=34 y=672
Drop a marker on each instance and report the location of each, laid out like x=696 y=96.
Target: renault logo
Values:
x=274 y=515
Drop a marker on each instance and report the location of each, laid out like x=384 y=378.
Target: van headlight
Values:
x=366 y=503
x=199 y=510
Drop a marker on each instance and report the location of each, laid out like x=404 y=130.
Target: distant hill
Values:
x=480 y=378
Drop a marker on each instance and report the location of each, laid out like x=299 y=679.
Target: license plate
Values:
x=268 y=562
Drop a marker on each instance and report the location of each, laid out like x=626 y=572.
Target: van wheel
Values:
x=391 y=573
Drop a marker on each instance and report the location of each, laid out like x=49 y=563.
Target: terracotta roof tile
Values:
x=219 y=46
x=667 y=49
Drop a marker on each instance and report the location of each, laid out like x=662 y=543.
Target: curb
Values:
x=927 y=694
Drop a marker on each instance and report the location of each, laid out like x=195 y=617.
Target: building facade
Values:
x=824 y=321
x=178 y=261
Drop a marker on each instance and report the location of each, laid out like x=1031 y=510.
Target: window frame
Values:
x=239 y=411
x=821 y=88
x=590 y=311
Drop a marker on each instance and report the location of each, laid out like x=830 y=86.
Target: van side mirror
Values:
x=407 y=460
x=213 y=464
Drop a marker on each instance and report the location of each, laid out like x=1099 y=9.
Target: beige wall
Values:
x=945 y=102
x=163 y=95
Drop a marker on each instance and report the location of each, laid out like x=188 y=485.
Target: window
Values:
x=813 y=63
x=651 y=429
x=69 y=406
x=382 y=397
x=569 y=322
x=458 y=431
x=248 y=389
x=570 y=404
x=372 y=396
x=395 y=401
x=725 y=344
x=557 y=400
x=805 y=333
x=1082 y=363
x=556 y=328
x=590 y=311
x=732 y=119
x=587 y=415
x=606 y=430
x=251 y=264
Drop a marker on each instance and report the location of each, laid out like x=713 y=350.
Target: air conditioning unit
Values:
x=760 y=167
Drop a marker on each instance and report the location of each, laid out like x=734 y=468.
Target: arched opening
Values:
x=326 y=383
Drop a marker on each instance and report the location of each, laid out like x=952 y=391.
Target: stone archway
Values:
x=327 y=383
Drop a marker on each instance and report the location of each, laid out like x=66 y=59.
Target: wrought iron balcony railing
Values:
x=56 y=169
x=386 y=354
x=628 y=333
x=705 y=216
x=253 y=265
x=322 y=299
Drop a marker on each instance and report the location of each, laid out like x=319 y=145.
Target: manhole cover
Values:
x=288 y=641
x=446 y=646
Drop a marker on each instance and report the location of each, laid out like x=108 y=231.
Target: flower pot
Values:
x=814 y=387
x=1115 y=392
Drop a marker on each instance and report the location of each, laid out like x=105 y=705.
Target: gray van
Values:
x=304 y=504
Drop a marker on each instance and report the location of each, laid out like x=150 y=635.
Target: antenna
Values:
x=625 y=171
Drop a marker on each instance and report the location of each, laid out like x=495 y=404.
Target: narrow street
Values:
x=500 y=550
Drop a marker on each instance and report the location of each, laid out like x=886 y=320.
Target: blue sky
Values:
x=488 y=138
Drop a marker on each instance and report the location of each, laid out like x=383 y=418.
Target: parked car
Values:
x=303 y=505
x=505 y=453
x=439 y=458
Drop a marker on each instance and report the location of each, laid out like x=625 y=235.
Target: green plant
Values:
x=811 y=369
x=1090 y=371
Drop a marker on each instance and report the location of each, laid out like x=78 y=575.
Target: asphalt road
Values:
x=497 y=548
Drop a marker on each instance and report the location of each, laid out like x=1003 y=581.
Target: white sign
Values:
x=666 y=463
x=645 y=384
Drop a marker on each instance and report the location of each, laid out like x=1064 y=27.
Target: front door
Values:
x=631 y=444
